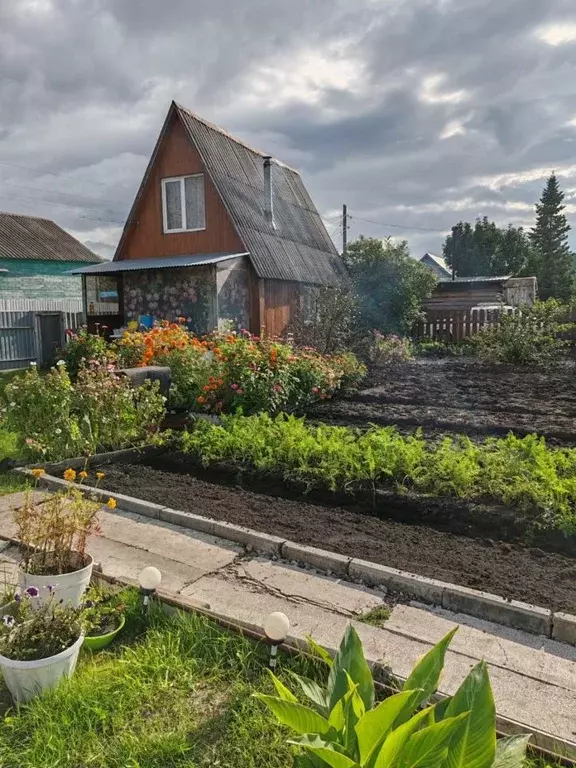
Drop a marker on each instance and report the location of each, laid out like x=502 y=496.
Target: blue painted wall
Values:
x=39 y=279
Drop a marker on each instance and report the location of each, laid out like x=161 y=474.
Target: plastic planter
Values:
x=96 y=642
x=27 y=679
x=68 y=587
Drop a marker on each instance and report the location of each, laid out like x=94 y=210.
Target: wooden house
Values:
x=219 y=233
x=488 y=292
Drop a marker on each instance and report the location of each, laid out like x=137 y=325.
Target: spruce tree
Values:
x=552 y=260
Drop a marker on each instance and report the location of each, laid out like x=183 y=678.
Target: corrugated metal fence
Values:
x=24 y=337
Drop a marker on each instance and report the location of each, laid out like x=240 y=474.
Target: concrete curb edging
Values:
x=459 y=599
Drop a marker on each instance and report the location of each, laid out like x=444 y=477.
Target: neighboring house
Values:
x=218 y=233
x=35 y=258
x=482 y=293
x=437 y=264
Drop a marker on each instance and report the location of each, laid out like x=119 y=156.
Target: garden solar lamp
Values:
x=276 y=626
x=149 y=580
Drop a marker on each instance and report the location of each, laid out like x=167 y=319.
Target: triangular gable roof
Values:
x=299 y=247
x=30 y=237
x=440 y=261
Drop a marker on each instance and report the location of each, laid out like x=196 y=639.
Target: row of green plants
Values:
x=223 y=371
x=52 y=417
x=523 y=473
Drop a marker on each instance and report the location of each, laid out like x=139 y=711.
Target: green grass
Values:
x=11 y=484
x=176 y=695
x=179 y=696
x=377 y=617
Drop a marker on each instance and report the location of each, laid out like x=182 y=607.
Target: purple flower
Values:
x=50 y=588
x=17 y=598
x=32 y=591
x=8 y=620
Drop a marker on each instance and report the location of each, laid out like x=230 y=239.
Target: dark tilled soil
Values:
x=510 y=570
x=463 y=397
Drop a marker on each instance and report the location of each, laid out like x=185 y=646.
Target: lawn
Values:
x=177 y=694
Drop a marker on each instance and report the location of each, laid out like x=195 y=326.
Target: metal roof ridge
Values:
x=228 y=135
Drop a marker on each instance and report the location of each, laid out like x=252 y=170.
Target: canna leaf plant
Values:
x=344 y=727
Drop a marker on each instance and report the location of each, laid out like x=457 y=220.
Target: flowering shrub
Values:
x=56 y=418
x=83 y=347
x=390 y=349
x=226 y=371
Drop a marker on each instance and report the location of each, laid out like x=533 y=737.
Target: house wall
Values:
x=519 y=291
x=233 y=290
x=167 y=294
x=464 y=296
x=146 y=239
x=39 y=279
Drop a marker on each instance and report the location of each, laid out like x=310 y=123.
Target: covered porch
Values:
x=210 y=290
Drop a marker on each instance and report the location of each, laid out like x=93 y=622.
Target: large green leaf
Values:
x=319 y=651
x=511 y=751
x=350 y=659
x=372 y=728
x=296 y=716
x=475 y=745
x=428 y=748
x=334 y=759
x=345 y=715
x=281 y=690
x=317 y=695
x=426 y=673
x=395 y=741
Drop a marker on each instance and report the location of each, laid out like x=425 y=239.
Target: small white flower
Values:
x=12 y=404
x=58 y=431
x=33 y=364
x=60 y=362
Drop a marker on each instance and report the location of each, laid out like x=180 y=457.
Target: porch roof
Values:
x=161 y=262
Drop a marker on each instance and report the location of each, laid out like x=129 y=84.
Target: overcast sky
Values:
x=416 y=113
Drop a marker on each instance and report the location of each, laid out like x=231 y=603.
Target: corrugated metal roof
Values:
x=136 y=265
x=476 y=279
x=440 y=261
x=298 y=248
x=29 y=237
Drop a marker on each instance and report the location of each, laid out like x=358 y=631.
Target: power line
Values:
x=397 y=226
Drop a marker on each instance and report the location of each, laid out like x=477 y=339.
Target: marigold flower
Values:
x=38 y=472
x=99 y=475
x=111 y=504
x=201 y=399
x=70 y=475
x=83 y=475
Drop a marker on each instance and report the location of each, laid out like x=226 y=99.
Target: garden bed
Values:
x=463 y=397
x=432 y=549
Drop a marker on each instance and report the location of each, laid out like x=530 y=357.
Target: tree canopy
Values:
x=485 y=249
x=390 y=284
x=552 y=261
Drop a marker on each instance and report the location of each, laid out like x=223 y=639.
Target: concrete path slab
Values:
x=534 y=678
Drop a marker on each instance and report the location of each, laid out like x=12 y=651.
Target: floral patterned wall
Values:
x=167 y=294
x=233 y=294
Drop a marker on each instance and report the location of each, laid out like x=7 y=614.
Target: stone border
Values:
x=455 y=598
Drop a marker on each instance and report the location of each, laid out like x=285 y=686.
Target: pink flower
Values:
x=239 y=391
x=315 y=390
x=234 y=386
x=277 y=387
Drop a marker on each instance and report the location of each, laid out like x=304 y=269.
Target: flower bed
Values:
x=221 y=372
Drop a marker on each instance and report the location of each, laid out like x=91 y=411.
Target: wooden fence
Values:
x=457 y=324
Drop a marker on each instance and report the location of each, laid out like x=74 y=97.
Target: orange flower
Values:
x=201 y=399
x=38 y=472
x=70 y=475
x=111 y=504
x=99 y=475
x=83 y=475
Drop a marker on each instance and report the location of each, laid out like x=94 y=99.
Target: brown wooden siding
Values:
x=280 y=299
x=146 y=239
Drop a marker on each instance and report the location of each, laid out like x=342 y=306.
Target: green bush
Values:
x=438 y=349
x=527 y=336
x=344 y=726
x=389 y=349
x=55 y=418
x=520 y=472
x=82 y=348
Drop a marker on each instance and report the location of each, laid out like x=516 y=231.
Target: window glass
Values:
x=194 y=196
x=173 y=205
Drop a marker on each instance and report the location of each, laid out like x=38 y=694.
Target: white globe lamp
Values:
x=276 y=627
x=149 y=580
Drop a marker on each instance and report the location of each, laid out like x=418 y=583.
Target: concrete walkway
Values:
x=534 y=678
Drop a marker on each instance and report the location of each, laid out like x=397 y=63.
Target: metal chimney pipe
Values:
x=268 y=198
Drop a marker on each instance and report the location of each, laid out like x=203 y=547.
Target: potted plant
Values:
x=38 y=645
x=53 y=537
x=7 y=591
x=103 y=617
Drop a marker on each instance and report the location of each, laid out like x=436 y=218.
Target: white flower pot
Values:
x=68 y=587
x=27 y=679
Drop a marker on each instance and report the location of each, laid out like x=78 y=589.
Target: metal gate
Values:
x=30 y=330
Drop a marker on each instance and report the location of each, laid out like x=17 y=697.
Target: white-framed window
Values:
x=183 y=206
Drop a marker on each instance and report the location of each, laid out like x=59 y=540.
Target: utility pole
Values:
x=344 y=228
